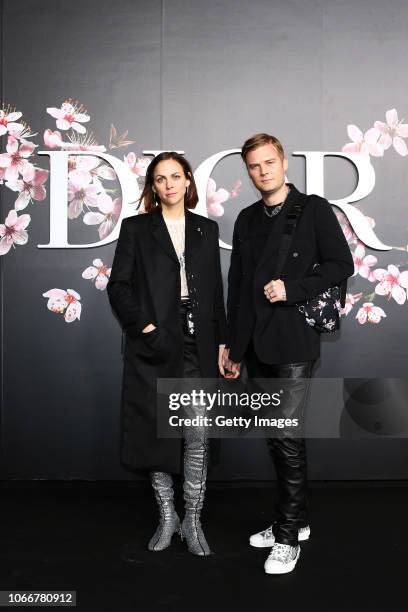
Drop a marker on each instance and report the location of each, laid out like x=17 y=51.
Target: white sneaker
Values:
x=265 y=539
x=282 y=559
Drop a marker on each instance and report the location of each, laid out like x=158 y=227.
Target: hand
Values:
x=149 y=328
x=275 y=291
x=231 y=369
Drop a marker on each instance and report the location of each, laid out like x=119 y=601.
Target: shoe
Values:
x=162 y=484
x=266 y=539
x=282 y=559
x=195 y=474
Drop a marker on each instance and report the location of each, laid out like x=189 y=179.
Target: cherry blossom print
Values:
x=64 y=302
x=367 y=143
x=81 y=192
x=235 y=191
x=363 y=263
x=119 y=140
x=108 y=216
x=69 y=116
x=82 y=142
x=369 y=313
x=138 y=165
x=98 y=272
x=52 y=140
x=90 y=168
x=16 y=158
x=13 y=231
x=8 y=122
x=351 y=299
x=215 y=198
x=393 y=283
x=30 y=187
x=393 y=132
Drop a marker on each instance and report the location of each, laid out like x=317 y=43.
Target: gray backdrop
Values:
x=199 y=77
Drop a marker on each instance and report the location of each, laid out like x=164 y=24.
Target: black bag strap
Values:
x=292 y=217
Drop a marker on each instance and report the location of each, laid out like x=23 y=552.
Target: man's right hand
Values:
x=148 y=328
x=232 y=369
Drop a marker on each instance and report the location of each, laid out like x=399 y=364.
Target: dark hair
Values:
x=147 y=196
x=258 y=140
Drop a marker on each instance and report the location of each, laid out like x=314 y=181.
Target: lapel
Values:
x=194 y=235
x=161 y=234
x=273 y=241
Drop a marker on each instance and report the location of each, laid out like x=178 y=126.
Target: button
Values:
x=295 y=254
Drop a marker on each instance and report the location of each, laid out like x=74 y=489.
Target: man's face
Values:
x=266 y=168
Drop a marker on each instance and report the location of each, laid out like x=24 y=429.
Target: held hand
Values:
x=231 y=369
x=148 y=328
x=275 y=291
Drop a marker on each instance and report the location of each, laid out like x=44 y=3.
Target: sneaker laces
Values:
x=268 y=532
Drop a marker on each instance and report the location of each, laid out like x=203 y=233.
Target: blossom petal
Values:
x=93 y=218
x=392 y=117
x=23 y=200
x=403 y=279
x=101 y=281
x=393 y=270
x=90 y=272
x=78 y=127
x=73 y=312
x=355 y=134
x=399 y=294
x=55 y=112
x=400 y=146
x=74 y=293
x=5 y=245
x=63 y=124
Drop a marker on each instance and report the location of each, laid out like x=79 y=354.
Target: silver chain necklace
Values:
x=271 y=211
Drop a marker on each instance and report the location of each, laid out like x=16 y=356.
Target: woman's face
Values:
x=170 y=182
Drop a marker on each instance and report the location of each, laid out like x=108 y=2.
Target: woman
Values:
x=166 y=289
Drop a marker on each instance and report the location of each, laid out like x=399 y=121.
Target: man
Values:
x=266 y=331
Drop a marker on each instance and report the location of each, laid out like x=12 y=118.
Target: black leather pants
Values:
x=288 y=453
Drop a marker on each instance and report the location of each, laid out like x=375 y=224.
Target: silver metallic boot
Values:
x=162 y=484
x=195 y=474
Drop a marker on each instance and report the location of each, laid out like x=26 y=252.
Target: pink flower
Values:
x=236 y=189
x=363 y=262
x=69 y=116
x=370 y=313
x=367 y=143
x=89 y=167
x=351 y=299
x=107 y=218
x=81 y=192
x=7 y=122
x=15 y=160
x=68 y=301
x=52 y=140
x=215 y=198
x=392 y=283
x=99 y=272
x=13 y=231
x=30 y=187
x=138 y=165
x=393 y=132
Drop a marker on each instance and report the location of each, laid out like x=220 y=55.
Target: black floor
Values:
x=69 y=536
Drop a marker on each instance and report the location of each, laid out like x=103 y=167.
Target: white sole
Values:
x=283 y=568
x=302 y=537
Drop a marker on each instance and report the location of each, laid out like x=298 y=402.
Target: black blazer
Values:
x=279 y=331
x=144 y=285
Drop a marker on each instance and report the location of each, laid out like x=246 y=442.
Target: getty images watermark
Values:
x=200 y=402
x=264 y=408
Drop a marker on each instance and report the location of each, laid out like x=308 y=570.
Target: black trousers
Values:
x=288 y=453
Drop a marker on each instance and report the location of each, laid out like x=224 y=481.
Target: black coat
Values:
x=279 y=331
x=144 y=287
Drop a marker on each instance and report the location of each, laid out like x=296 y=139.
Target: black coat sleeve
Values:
x=120 y=287
x=234 y=284
x=335 y=259
x=219 y=293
